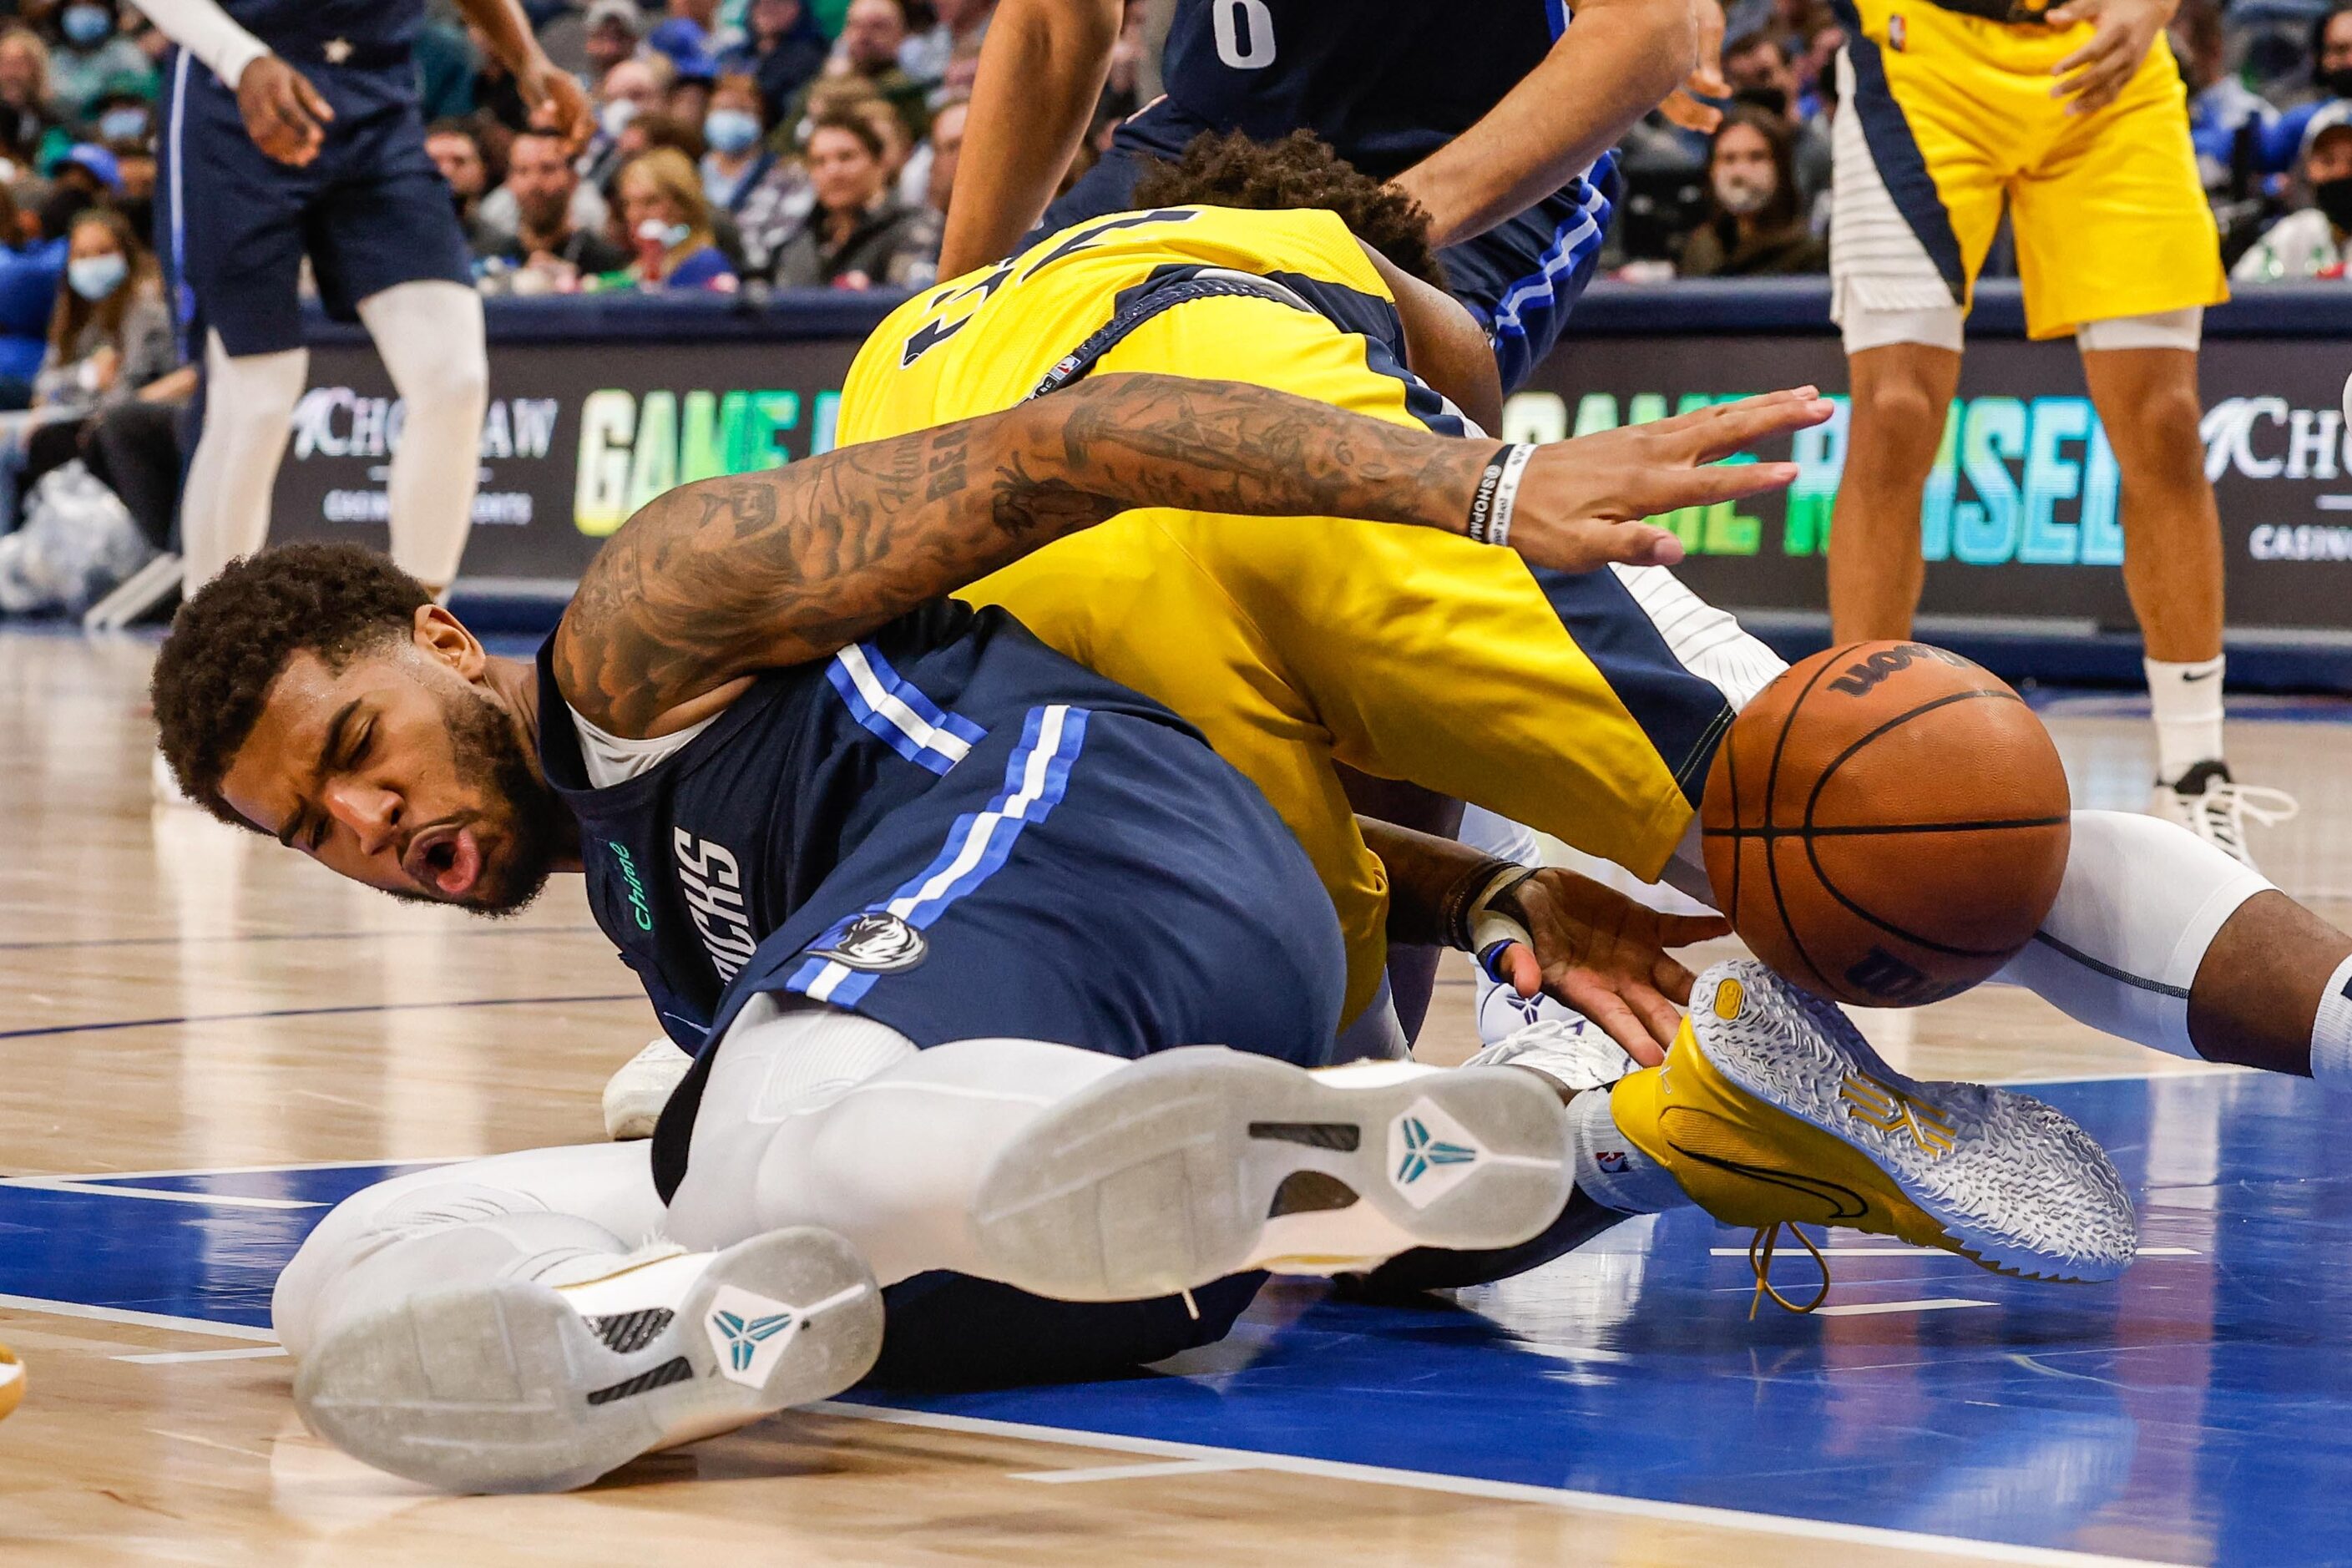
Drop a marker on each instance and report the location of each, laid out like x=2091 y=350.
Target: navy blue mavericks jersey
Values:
x=302 y=29
x=1387 y=82
x=956 y=831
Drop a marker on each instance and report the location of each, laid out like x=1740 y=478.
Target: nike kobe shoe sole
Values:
x=1195 y=1163
x=1771 y=1107
x=508 y=1387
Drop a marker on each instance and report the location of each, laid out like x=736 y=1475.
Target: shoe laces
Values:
x=1761 y=1248
x=2221 y=813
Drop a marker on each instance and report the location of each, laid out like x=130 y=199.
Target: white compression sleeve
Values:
x=825 y=1118
x=430 y=335
x=541 y=1213
x=2141 y=901
x=207 y=31
x=248 y=412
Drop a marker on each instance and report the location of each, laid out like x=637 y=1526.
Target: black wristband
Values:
x=1482 y=500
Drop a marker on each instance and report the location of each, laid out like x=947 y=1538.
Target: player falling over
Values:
x=950 y=837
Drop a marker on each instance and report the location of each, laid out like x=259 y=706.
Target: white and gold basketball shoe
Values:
x=634 y=1097
x=512 y=1385
x=12 y=1382
x=1772 y=1109
x=1195 y=1163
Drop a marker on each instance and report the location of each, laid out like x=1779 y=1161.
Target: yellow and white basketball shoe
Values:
x=1772 y=1109
x=12 y=1382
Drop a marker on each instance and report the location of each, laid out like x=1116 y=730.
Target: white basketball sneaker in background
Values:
x=634 y=1097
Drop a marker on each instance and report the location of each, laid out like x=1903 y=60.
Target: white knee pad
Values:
x=2182 y=329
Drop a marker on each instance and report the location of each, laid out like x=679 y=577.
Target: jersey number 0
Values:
x=1245 y=33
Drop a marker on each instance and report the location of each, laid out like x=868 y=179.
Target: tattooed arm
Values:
x=726 y=577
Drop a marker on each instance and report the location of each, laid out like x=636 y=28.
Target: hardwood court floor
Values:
x=178 y=997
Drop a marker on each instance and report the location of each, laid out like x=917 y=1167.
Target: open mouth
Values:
x=447 y=861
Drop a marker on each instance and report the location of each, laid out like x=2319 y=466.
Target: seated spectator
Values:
x=1755 y=226
x=857 y=235
x=670 y=223
x=1760 y=73
x=690 y=31
x=689 y=90
x=124 y=114
x=868 y=54
x=109 y=336
x=457 y=151
x=88 y=176
x=961 y=25
x=784 y=52
x=631 y=89
x=549 y=249
x=611 y=31
x=32 y=269
x=929 y=173
x=91 y=54
x=2310 y=243
x=2284 y=138
x=740 y=162
x=32 y=130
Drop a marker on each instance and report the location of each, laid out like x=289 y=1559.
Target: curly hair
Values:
x=1229 y=169
x=235 y=637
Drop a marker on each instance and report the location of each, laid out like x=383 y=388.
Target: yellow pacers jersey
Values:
x=1296 y=642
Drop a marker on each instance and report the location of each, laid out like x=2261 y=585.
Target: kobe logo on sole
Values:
x=747 y=1333
x=1428 y=1153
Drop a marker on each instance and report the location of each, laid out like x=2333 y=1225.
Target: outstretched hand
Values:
x=1581 y=503
x=1603 y=955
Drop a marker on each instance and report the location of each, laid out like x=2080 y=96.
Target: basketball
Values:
x=1886 y=824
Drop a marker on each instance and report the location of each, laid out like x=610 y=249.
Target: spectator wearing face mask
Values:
x=668 y=221
x=741 y=170
x=2283 y=139
x=32 y=130
x=782 y=49
x=1760 y=73
x=109 y=336
x=1755 y=225
x=857 y=235
x=635 y=87
x=91 y=53
x=2310 y=243
x=867 y=57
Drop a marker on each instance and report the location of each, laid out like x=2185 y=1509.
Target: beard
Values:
x=518 y=806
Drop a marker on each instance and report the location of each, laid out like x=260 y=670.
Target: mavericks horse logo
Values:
x=878 y=941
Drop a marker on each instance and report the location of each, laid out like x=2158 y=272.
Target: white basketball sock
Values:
x=430 y=335
x=2186 y=700
x=1608 y=1168
x=2331 y=1033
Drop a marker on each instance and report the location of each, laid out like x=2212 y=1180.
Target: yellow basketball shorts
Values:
x=1945 y=117
x=1587 y=707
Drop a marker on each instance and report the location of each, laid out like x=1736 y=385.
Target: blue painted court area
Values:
x=2199 y=1400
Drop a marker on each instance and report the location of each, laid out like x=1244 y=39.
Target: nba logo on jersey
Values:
x=878 y=941
x=1896 y=32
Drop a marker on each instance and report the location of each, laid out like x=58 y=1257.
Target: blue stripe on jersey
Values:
x=891 y=706
x=1573 y=243
x=1557 y=10
x=1036 y=776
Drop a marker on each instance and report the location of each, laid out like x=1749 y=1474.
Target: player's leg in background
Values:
x=249 y=417
x=430 y=334
x=2142 y=372
x=1901 y=388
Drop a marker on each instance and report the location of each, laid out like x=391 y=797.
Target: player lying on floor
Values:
x=949 y=836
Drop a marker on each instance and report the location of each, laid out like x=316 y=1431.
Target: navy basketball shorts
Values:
x=234 y=224
x=1519 y=278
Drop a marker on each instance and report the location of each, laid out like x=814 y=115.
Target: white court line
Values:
x=154 y=1194
x=144 y=1320
x=1934 y=1252
x=1872 y=1308
x=167 y=1358
x=1137 y=1472
x=2202 y=1070
x=241 y=1170
x=1508 y=1492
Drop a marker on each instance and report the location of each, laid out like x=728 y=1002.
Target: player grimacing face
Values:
x=400 y=771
